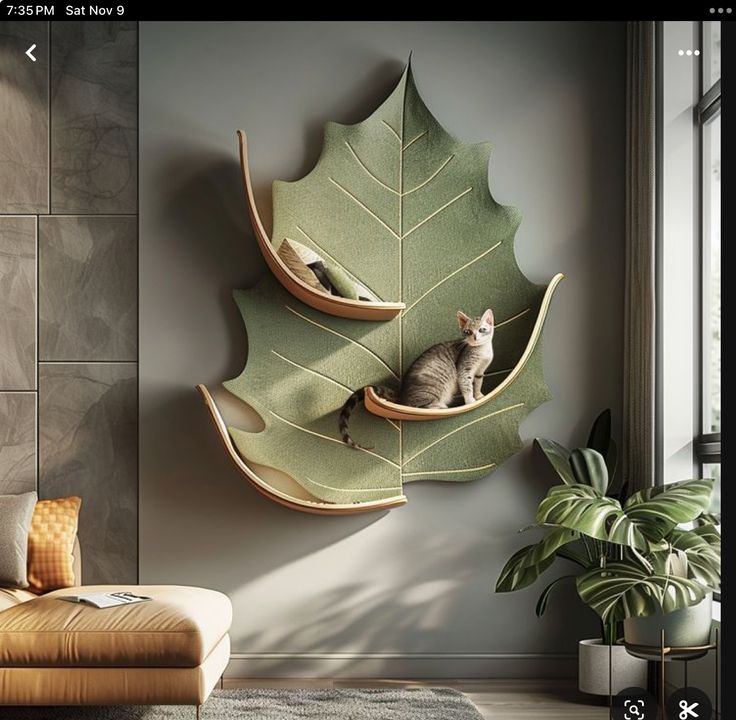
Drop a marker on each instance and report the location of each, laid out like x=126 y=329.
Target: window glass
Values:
x=712 y=275
x=713 y=470
x=711 y=54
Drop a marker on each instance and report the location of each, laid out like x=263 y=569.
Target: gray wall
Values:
x=69 y=276
x=410 y=591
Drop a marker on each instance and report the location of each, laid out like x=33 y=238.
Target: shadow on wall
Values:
x=210 y=231
x=357 y=616
x=417 y=615
x=251 y=536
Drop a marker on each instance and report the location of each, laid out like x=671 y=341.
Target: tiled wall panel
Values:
x=88 y=447
x=94 y=92
x=17 y=442
x=24 y=96
x=17 y=303
x=88 y=275
x=68 y=349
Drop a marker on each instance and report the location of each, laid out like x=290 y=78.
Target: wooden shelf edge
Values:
x=317 y=508
x=340 y=307
x=387 y=409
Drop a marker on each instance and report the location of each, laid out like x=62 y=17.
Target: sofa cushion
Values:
x=15 y=519
x=10 y=597
x=51 y=544
x=111 y=686
x=177 y=628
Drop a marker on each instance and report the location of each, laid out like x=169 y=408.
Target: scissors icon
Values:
x=688 y=711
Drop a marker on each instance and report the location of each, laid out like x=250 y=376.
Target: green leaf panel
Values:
x=404 y=208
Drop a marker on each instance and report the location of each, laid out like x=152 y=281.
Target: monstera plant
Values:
x=402 y=208
x=635 y=555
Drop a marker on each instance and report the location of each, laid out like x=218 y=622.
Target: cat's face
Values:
x=476 y=330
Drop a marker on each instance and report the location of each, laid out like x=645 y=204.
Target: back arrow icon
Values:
x=30 y=50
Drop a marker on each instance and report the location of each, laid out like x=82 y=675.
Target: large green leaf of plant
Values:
x=586 y=510
x=657 y=510
x=526 y=564
x=622 y=590
x=517 y=573
x=406 y=209
x=583 y=464
x=589 y=468
x=559 y=457
x=703 y=552
x=709 y=532
x=600 y=439
x=543 y=600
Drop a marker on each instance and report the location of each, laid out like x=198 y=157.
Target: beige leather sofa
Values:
x=171 y=650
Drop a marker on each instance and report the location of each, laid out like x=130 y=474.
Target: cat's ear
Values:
x=487 y=317
x=462 y=319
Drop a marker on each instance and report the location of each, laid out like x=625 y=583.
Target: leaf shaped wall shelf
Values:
x=384 y=408
x=283 y=496
x=331 y=304
x=405 y=209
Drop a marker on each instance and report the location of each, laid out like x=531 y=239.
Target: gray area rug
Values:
x=251 y=704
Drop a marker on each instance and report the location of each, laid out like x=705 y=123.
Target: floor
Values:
x=495 y=699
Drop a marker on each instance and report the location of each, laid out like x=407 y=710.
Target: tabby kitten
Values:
x=439 y=373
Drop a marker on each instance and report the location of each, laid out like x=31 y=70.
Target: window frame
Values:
x=707 y=446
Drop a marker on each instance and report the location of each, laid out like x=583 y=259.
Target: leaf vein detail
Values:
x=331 y=439
x=351 y=490
x=325 y=377
x=452 y=274
x=498 y=372
x=368 y=172
x=430 y=178
x=511 y=319
x=449 y=472
x=462 y=427
x=344 y=337
x=313 y=372
x=362 y=205
x=436 y=212
x=396 y=135
x=413 y=140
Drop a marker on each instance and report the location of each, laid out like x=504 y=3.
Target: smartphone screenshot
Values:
x=362 y=369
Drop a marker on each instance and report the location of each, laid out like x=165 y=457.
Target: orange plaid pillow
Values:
x=51 y=544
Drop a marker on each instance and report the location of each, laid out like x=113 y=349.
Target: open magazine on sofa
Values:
x=106 y=599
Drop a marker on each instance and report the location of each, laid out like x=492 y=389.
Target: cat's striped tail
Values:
x=351 y=403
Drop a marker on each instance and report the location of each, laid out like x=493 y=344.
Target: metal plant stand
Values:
x=664 y=654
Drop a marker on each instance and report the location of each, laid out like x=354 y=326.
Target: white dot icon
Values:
x=680 y=52
x=720 y=10
x=696 y=52
x=689 y=52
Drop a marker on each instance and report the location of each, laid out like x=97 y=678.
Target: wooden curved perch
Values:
x=384 y=408
x=309 y=506
x=330 y=304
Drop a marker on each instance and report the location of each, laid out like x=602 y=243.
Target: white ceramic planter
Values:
x=593 y=661
x=687 y=627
